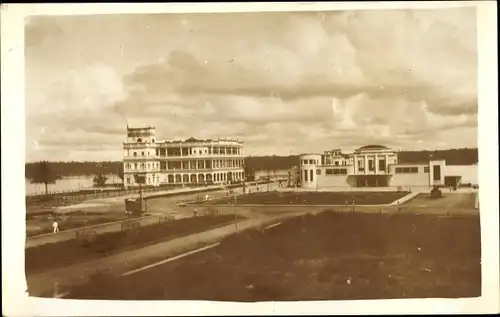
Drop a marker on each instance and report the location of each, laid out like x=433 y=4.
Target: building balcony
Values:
x=140 y=158
x=127 y=145
x=142 y=170
x=200 y=156
x=183 y=170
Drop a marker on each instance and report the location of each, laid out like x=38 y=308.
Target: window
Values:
x=128 y=180
x=312 y=175
x=406 y=170
x=381 y=165
x=311 y=162
x=135 y=153
x=437 y=172
x=336 y=171
x=142 y=153
x=318 y=171
x=370 y=165
x=336 y=163
x=426 y=169
x=153 y=140
x=305 y=176
x=139 y=140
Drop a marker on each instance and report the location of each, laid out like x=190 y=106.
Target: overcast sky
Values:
x=282 y=82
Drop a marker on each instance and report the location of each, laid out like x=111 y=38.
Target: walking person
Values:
x=55 y=226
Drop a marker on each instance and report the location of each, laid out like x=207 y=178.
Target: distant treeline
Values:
x=256 y=163
x=452 y=157
x=75 y=168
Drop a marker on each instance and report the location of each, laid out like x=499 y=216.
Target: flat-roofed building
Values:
x=378 y=166
x=150 y=162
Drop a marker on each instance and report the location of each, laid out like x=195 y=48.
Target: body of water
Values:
x=65 y=184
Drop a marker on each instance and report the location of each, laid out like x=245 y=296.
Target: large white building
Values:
x=378 y=166
x=151 y=162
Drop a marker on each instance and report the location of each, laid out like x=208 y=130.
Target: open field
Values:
x=54 y=255
x=312 y=198
x=41 y=224
x=101 y=211
x=331 y=256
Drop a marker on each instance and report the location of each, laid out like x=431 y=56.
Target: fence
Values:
x=70 y=197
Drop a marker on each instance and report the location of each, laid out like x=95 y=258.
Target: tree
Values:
x=100 y=180
x=120 y=172
x=43 y=174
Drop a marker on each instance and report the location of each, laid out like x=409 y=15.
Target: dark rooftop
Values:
x=373 y=147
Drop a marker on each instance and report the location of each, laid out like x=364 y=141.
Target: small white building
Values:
x=378 y=166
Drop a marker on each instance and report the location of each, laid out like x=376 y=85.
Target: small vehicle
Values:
x=135 y=206
x=435 y=192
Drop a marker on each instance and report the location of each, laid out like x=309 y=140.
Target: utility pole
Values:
x=268 y=180
x=235 y=221
x=244 y=178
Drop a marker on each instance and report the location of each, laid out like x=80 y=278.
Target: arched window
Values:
x=153 y=140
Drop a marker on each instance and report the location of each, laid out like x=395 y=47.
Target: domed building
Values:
x=376 y=165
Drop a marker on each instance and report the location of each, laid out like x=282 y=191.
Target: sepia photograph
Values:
x=266 y=156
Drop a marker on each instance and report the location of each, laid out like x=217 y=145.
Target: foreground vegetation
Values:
x=331 y=256
x=54 y=255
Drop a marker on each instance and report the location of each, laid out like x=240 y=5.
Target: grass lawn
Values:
x=42 y=223
x=331 y=256
x=312 y=198
x=54 y=255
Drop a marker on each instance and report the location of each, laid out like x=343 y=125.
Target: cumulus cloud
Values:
x=281 y=81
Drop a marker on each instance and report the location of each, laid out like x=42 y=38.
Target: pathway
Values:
x=42 y=283
x=158 y=206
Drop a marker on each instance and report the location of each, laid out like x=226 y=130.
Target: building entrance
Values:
x=372 y=181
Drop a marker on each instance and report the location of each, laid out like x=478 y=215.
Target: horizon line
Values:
x=246 y=156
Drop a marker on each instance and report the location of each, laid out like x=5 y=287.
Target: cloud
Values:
x=280 y=81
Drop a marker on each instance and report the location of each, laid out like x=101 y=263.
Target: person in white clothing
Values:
x=55 y=225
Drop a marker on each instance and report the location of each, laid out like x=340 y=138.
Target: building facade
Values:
x=378 y=166
x=150 y=162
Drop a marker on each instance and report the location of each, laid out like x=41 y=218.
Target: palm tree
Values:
x=43 y=174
